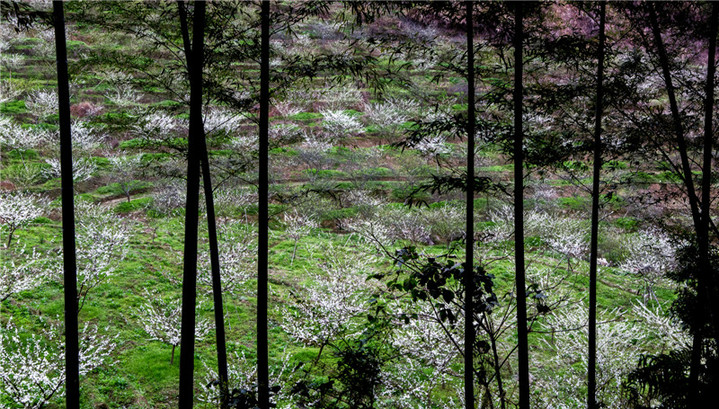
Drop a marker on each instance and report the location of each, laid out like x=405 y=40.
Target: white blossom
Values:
x=216 y=120
x=327 y=307
x=298 y=226
x=123 y=95
x=82 y=169
x=43 y=103
x=237 y=247
x=18 y=210
x=242 y=374
x=14 y=136
x=22 y=276
x=339 y=123
x=562 y=378
x=162 y=320
x=32 y=369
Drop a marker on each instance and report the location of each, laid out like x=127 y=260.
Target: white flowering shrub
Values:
x=562 y=379
x=561 y=234
x=124 y=168
x=84 y=137
x=371 y=231
x=237 y=249
x=222 y=120
x=242 y=375
x=18 y=209
x=32 y=368
x=298 y=226
x=286 y=108
x=8 y=91
x=386 y=115
x=162 y=320
x=101 y=244
x=649 y=253
x=339 y=97
x=433 y=147
x=123 y=95
x=43 y=103
x=24 y=275
x=82 y=169
x=14 y=136
x=326 y=308
x=665 y=331
x=339 y=123
x=158 y=126
x=169 y=197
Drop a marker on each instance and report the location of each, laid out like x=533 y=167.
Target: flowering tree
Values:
x=32 y=369
x=14 y=136
x=124 y=168
x=23 y=276
x=242 y=381
x=18 y=209
x=101 y=244
x=339 y=124
x=649 y=253
x=162 y=320
x=43 y=103
x=82 y=169
x=298 y=226
x=326 y=309
x=237 y=247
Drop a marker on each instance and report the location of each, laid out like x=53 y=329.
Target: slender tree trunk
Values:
x=263 y=216
x=189 y=279
x=710 y=281
x=172 y=356
x=212 y=235
x=469 y=251
x=701 y=218
x=708 y=145
x=593 y=245
x=523 y=344
x=72 y=349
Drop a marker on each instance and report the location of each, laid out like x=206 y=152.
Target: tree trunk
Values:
x=189 y=279
x=469 y=239
x=593 y=245
x=523 y=344
x=710 y=281
x=212 y=236
x=172 y=356
x=72 y=349
x=701 y=220
x=263 y=214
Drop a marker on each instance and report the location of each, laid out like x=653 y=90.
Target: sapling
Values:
x=162 y=321
x=298 y=226
x=124 y=168
x=18 y=209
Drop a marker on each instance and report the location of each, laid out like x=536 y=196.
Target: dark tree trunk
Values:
x=710 y=281
x=523 y=344
x=704 y=277
x=263 y=214
x=72 y=348
x=593 y=247
x=708 y=147
x=212 y=233
x=469 y=255
x=189 y=279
